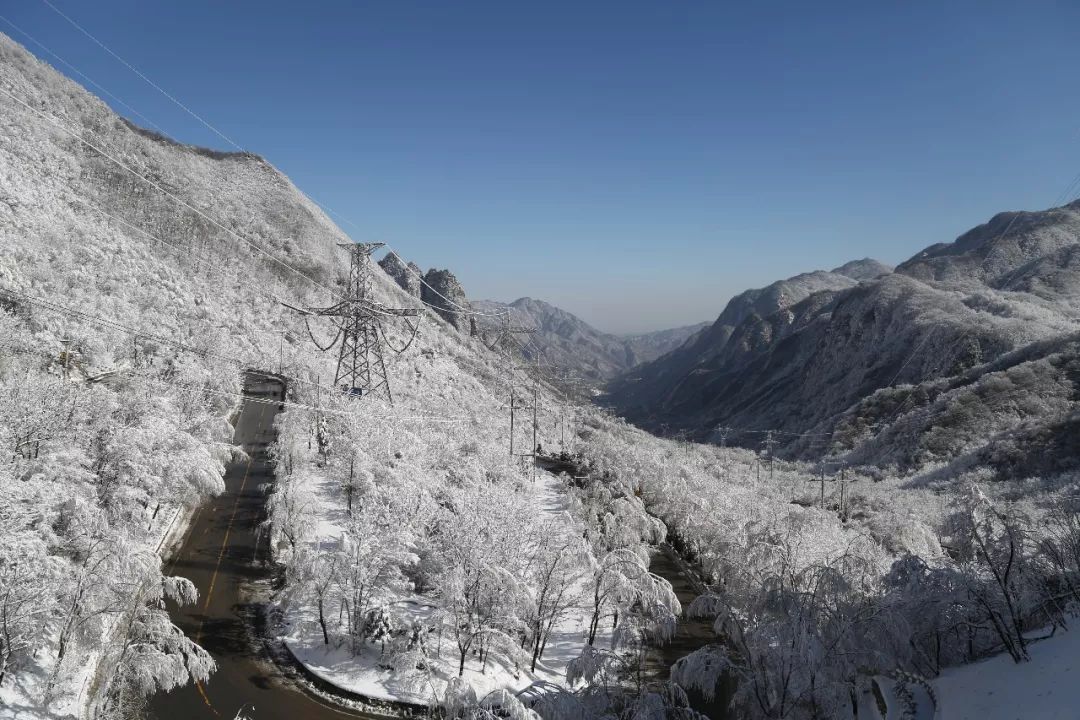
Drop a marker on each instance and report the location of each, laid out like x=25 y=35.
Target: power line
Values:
x=186 y=251
x=119 y=326
x=360 y=362
x=176 y=199
x=81 y=74
x=231 y=142
x=459 y=307
x=56 y=307
x=61 y=309
x=115 y=325
x=449 y=419
x=234 y=144
x=135 y=70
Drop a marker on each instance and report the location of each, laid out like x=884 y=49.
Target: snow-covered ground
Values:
x=1045 y=688
x=174 y=304
x=362 y=673
x=21 y=694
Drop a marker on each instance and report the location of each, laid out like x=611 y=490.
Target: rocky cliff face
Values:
x=798 y=356
x=442 y=292
x=407 y=277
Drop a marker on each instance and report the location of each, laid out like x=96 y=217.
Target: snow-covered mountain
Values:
x=646 y=384
x=649 y=346
x=161 y=269
x=580 y=349
x=139 y=277
x=157 y=270
x=806 y=354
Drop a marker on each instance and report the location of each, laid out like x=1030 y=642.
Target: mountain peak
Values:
x=864 y=269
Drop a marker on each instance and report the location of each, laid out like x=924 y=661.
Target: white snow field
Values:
x=1045 y=688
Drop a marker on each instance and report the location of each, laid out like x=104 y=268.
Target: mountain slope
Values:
x=798 y=368
x=651 y=386
x=160 y=272
x=575 y=346
x=420 y=494
x=646 y=347
x=161 y=269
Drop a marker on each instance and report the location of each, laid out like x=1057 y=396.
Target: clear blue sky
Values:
x=634 y=162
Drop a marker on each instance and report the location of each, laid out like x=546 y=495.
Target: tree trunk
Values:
x=322 y=623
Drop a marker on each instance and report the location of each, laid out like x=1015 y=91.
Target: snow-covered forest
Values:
x=413 y=558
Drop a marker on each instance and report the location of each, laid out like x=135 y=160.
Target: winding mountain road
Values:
x=219 y=555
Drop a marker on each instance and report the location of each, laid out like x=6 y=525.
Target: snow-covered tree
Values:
x=145 y=653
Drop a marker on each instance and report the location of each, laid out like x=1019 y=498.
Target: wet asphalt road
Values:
x=218 y=554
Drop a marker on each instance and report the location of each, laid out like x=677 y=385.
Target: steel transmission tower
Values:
x=361 y=369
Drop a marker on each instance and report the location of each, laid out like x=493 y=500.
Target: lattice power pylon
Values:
x=361 y=369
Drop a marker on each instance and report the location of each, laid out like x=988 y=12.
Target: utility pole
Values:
x=822 y=484
x=65 y=356
x=843 y=486
x=562 y=424
x=839 y=477
x=770 y=443
x=535 y=407
x=506 y=337
x=513 y=400
x=361 y=369
x=681 y=437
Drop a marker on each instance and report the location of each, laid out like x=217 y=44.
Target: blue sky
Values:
x=636 y=163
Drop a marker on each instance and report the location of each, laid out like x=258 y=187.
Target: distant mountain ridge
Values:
x=572 y=344
x=817 y=356
x=647 y=383
x=568 y=342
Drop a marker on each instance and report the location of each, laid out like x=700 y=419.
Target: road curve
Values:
x=218 y=555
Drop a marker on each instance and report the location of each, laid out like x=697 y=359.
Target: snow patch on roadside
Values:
x=1044 y=688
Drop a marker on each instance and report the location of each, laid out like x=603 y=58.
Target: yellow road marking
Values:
x=206 y=699
x=217 y=565
x=224 y=544
x=213 y=578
